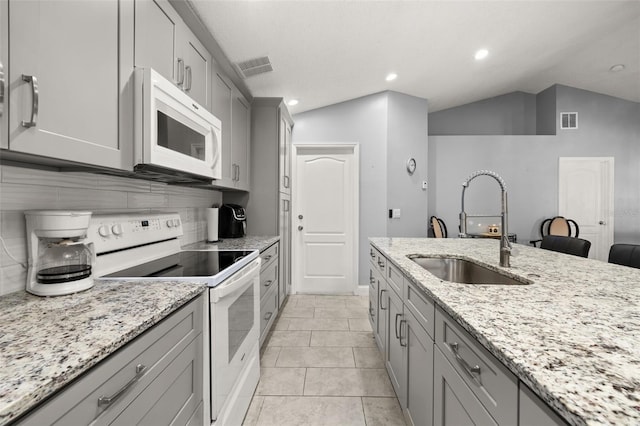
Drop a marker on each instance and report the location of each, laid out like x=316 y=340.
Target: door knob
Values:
x=300 y=228
x=602 y=222
x=299 y=216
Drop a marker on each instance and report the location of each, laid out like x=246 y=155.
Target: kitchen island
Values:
x=572 y=335
x=48 y=342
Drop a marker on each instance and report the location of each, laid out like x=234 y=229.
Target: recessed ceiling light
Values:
x=292 y=102
x=616 y=68
x=481 y=54
x=392 y=76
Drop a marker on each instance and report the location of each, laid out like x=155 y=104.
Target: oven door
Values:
x=235 y=325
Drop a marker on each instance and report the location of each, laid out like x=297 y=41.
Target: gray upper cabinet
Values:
x=4 y=60
x=234 y=112
x=165 y=43
x=69 y=66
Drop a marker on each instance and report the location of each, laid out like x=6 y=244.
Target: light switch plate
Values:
x=396 y=213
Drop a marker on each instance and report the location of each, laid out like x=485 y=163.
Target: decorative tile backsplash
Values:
x=26 y=189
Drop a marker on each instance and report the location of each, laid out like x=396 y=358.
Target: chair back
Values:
x=625 y=254
x=569 y=245
x=437 y=227
x=559 y=226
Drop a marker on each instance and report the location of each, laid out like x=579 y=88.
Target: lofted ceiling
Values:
x=324 y=52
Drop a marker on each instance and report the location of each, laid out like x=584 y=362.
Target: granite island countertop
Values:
x=46 y=342
x=573 y=335
x=250 y=242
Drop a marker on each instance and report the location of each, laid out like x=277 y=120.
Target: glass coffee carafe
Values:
x=62 y=261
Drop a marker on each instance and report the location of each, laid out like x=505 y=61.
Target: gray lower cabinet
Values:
x=155 y=379
x=488 y=379
x=395 y=346
x=535 y=412
x=419 y=365
x=269 y=287
x=454 y=403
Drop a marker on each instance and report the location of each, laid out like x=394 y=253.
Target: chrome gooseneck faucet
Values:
x=505 y=245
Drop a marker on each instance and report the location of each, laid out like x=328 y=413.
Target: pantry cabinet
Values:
x=165 y=43
x=269 y=206
x=68 y=75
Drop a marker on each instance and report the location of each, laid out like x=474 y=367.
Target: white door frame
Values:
x=331 y=148
x=607 y=202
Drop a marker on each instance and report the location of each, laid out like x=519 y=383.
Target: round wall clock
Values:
x=411 y=166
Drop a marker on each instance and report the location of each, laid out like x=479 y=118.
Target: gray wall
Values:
x=546 y=111
x=510 y=114
x=389 y=127
x=608 y=127
x=407 y=138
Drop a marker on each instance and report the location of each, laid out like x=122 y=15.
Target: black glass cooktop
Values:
x=185 y=264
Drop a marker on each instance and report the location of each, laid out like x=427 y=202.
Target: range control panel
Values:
x=118 y=231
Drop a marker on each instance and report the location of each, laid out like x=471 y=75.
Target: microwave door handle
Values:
x=235 y=283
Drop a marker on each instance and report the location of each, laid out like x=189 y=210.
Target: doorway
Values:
x=324 y=218
x=585 y=188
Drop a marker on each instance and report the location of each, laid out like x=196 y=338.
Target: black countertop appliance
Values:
x=232 y=221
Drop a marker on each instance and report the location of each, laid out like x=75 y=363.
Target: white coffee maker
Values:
x=60 y=255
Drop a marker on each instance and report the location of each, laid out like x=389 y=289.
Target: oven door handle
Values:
x=239 y=281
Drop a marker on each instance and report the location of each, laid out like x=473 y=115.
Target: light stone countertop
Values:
x=251 y=242
x=573 y=335
x=46 y=342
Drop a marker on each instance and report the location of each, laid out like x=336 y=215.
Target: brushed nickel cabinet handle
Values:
x=396 y=326
x=268 y=283
x=465 y=365
x=380 y=300
x=108 y=400
x=400 y=339
x=35 y=94
x=180 y=80
x=1 y=89
x=286 y=181
x=188 y=78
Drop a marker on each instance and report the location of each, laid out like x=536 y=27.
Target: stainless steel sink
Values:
x=464 y=272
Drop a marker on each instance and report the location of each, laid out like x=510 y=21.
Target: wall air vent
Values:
x=254 y=66
x=568 y=120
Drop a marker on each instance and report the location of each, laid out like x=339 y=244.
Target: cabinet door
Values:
x=395 y=345
x=4 y=61
x=68 y=68
x=285 y=245
x=197 y=66
x=419 y=364
x=382 y=308
x=535 y=412
x=453 y=402
x=155 y=34
x=285 y=153
x=240 y=122
x=221 y=95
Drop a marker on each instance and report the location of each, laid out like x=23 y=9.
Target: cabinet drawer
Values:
x=454 y=403
x=269 y=255
x=395 y=279
x=421 y=306
x=378 y=260
x=490 y=381
x=148 y=358
x=268 y=279
x=268 y=312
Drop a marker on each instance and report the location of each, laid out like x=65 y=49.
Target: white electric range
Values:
x=146 y=246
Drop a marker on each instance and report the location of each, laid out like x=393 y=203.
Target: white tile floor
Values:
x=321 y=366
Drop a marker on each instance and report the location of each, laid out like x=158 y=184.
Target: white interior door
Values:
x=585 y=187
x=324 y=220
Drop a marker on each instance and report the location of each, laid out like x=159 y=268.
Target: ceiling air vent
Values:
x=568 y=120
x=254 y=66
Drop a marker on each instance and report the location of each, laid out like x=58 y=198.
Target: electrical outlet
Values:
x=424 y=184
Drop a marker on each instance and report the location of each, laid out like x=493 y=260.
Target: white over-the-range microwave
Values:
x=175 y=136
